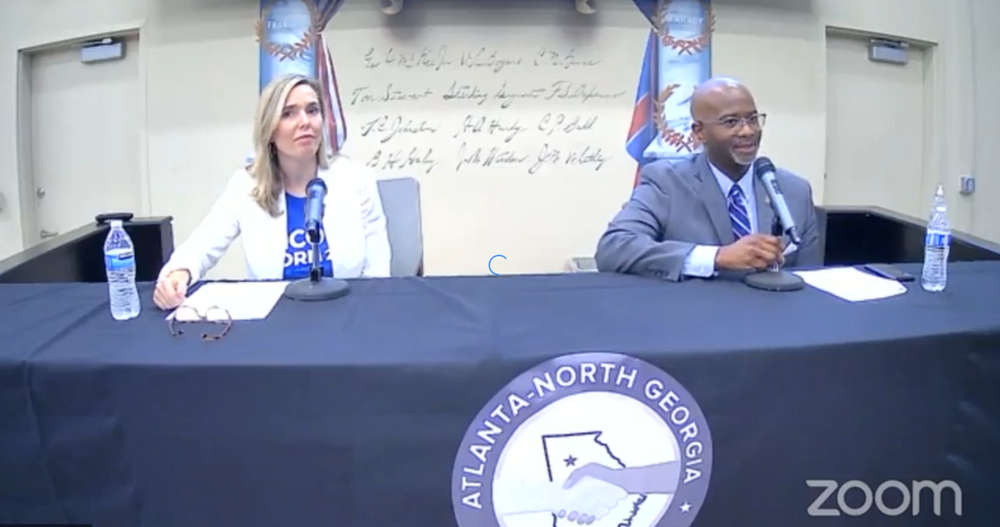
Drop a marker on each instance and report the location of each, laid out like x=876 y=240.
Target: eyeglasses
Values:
x=755 y=121
x=190 y=315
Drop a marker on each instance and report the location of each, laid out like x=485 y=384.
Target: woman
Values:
x=266 y=203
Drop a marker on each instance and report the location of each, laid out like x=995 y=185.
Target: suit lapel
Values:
x=765 y=216
x=714 y=201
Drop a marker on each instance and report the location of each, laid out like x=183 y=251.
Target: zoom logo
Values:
x=891 y=498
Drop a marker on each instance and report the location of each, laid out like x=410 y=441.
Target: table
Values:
x=351 y=413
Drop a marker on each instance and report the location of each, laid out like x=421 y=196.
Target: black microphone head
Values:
x=316 y=182
x=762 y=165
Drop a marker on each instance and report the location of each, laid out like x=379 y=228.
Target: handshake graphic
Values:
x=583 y=498
x=588 y=494
x=586 y=482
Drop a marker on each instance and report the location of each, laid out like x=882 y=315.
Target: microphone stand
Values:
x=317 y=287
x=773 y=278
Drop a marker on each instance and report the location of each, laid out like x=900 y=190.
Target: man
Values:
x=706 y=214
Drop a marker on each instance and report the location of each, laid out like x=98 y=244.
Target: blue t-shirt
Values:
x=298 y=253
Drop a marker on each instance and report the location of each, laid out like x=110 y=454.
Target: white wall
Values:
x=985 y=88
x=199 y=60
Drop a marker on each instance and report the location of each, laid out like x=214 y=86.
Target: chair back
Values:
x=401 y=205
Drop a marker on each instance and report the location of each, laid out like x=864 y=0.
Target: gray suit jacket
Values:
x=678 y=204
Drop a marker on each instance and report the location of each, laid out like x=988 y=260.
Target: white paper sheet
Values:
x=242 y=300
x=852 y=284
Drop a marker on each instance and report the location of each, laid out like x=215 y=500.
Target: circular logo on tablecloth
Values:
x=597 y=439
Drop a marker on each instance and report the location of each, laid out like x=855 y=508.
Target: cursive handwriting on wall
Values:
x=462 y=109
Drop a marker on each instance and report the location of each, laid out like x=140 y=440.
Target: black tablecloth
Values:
x=351 y=413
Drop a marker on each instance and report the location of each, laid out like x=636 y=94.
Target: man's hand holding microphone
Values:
x=751 y=252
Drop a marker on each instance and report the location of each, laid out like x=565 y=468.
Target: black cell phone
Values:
x=890 y=272
x=125 y=217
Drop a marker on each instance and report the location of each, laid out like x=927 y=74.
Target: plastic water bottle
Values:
x=119 y=261
x=937 y=243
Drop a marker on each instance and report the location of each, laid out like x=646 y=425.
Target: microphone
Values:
x=317 y=287
x=315 y=195
x=763 y=168
x=774 y=278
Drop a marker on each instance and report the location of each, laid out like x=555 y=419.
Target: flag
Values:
x=336 y=123
x=664 y=66
x=642 y=131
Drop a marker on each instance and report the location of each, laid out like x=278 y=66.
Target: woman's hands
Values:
x=171 y=290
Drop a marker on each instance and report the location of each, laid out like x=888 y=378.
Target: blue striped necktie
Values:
x=738 y=212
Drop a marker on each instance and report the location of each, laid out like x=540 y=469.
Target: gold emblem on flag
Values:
x=682 y=46
x=285 y=51
x=671 y=136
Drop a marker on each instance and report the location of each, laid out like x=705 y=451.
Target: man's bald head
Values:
x=726 y=123
x=712 y=94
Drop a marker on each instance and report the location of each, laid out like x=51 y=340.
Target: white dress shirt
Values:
x=353 y=221
x=700 y=263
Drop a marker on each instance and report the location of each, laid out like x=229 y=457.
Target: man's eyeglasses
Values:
x=189 y=315
x=755 y=121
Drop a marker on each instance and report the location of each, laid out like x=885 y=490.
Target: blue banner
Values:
x=290 y=33
x=677 y=57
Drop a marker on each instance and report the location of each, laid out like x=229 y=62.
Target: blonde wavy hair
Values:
x=265 y=170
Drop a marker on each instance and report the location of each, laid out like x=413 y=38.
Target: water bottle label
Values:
x=122 y=260
x=935 y=239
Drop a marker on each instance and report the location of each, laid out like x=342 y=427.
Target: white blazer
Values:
x=353 y=220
